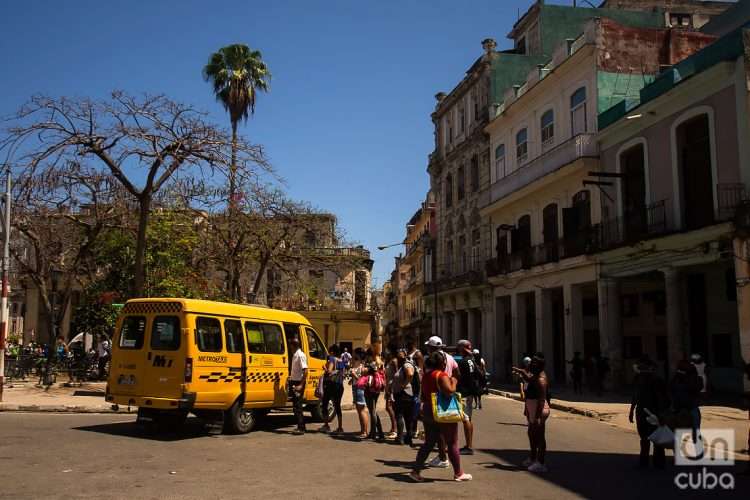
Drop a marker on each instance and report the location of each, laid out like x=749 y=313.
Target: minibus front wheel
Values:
x=240 y=420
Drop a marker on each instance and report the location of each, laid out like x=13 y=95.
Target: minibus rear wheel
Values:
x=240 y=420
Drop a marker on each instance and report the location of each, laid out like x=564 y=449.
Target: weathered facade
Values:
x=543 y=216
x=415 y=268
x=674 y=257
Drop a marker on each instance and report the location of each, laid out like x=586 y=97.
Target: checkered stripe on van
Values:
x=264 y=376
x=222 y=377
x=152 y=307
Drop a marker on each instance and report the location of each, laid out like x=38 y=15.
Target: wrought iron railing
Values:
x=730 y=196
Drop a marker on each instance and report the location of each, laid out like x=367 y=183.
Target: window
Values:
x=462 y=253
x=578 y=111
x=448 y=191
x=208 y=334
x=165 y=333
x=474 y=174
x=500 y=161
x=475 y=247
x=461 y=183
x=548 y=129
x=461 y=120
x=316 y=349
x=233 y=335
x=264 y=338
x=522 y=146
x=449 y=256
x=131 y=333
x=521 y=45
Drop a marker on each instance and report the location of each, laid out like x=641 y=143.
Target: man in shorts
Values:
x=468 y=386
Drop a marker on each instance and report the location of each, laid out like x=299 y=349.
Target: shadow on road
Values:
x=193 y=428
x=613 y=475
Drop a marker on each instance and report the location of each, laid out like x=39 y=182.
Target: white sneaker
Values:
x=538 y=468
x=439 y=464
x=463 y=477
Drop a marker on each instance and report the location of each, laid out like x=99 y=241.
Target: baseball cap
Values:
x=475 y=351
x=434 y=341
x=464 y=343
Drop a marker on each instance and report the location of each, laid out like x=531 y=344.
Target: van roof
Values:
x=228 y=309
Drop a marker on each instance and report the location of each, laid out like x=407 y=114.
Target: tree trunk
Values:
x=233 y=174
x=259 y=278
x=144 y=211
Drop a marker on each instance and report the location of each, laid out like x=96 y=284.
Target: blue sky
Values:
x=347 y=121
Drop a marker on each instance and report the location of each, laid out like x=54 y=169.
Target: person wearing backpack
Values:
x=469 y=385
x=374 y=386
x=406 y=386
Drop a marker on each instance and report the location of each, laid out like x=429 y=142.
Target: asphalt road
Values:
x=107 y=456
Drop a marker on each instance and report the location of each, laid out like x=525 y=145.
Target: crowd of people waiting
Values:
x=410 y=381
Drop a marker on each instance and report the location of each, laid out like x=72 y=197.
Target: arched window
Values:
x=522 y=146
x=550 y=232
x=500 y=161
x=461 y=183
x=474 y=174
x=547 y=127
x=448 y=191
x=578 y=111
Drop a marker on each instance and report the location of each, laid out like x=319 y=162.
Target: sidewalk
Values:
x=86 y=398
x=614 y=409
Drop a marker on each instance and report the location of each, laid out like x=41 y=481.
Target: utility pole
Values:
x=4 y=311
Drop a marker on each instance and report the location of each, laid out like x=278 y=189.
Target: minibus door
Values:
x=316 y=362
x=234 y=341
x=165 y=365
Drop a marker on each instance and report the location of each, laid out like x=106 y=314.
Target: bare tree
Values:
x=141 y=142
x=59 y=215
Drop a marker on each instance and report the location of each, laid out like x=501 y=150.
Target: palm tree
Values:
x=237 y=74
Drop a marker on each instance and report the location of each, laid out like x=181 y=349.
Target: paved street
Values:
x=107 y=456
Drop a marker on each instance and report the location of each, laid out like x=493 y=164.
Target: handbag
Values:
x=447 y=409
x=662 y=436
x=320 y=387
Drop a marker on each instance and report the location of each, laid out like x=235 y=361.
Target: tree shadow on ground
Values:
x=615 y=475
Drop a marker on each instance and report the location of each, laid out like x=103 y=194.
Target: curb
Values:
x=553 y=405
x=13 y=408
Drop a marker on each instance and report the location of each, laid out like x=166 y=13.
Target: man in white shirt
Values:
x=297 y=382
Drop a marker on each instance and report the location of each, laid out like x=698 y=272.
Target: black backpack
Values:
x=416 y=382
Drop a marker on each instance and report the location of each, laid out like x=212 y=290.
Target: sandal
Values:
x=463 y=477
x=416 y=477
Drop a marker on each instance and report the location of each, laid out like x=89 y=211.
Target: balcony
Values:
x=419 y=244
x=580 y=146
x=730 y=196
x=636 y=225
x=336 y=252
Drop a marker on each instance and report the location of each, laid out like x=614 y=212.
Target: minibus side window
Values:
x=208 y=334
x=165 y=333
x=233 y=335
x=264 y=338
x=317 y=350
x=132 y=332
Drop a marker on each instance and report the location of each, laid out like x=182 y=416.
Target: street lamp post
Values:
x=4 y=310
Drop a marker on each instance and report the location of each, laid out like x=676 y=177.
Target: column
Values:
x=457 y=333
x=545 y=341
x=518 y=310
x=742 y=272
x=471 y=334
x=610 y=325
x=573 y=304
x=675 y=317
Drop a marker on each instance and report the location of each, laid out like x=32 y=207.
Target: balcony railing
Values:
x=636 y=225
x=336 y=252
x=580 y=146
x=730 y=196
